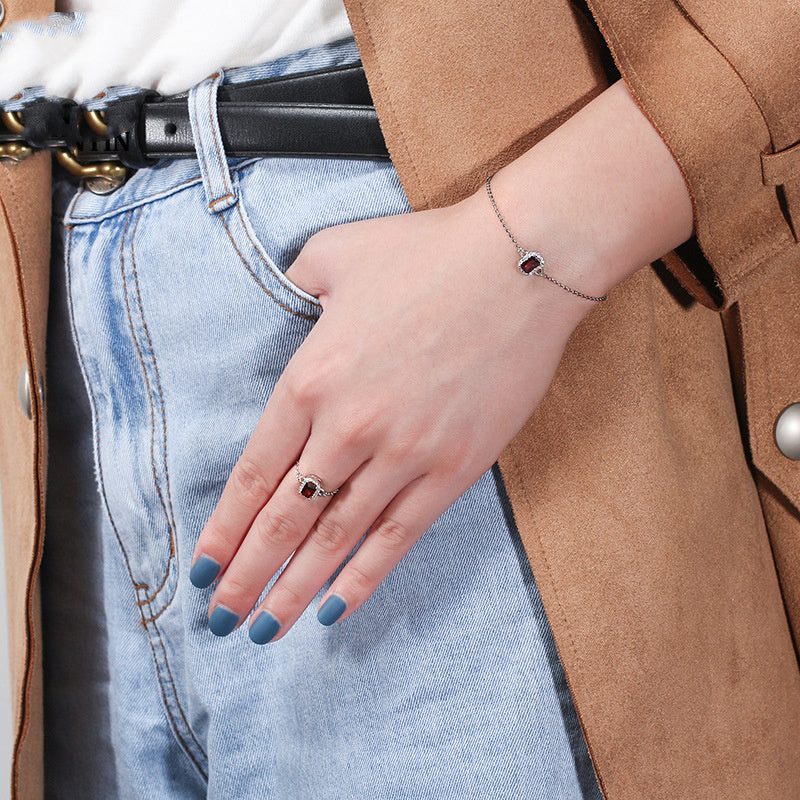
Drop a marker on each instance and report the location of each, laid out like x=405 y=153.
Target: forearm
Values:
x=599 y=197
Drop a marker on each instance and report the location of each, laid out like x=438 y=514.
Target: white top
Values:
x=167 y=46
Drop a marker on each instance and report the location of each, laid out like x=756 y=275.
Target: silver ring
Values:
x=311 y=485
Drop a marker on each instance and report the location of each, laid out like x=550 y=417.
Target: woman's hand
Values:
x=431 y=352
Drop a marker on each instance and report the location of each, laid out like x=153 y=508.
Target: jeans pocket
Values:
x=266 y=237
x=221 y=328
x=283 y=202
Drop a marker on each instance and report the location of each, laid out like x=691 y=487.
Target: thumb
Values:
x=313 y=269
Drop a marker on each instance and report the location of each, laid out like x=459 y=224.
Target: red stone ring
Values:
x=311 y=485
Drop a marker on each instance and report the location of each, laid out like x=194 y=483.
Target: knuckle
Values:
x=394 y=535
x=233 y=590
x=218 y=538
x=464 y=455
x=284 y=596
x=463 y=469
x=249 y=481
x=360 y=584
x=276 y=531
x=405 y=451
x=331 y=535
x=357 y=429
x=302 y=387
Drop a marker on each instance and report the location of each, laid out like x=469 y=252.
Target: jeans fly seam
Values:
x=95 y=420
x=173 y=724
x=157 y=380
x=149 y=400
x=175 y=692
x=166 y=605
x=258 y=280
x=259 y=254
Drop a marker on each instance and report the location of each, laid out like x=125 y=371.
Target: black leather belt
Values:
x=325 y=112
x=260 y=129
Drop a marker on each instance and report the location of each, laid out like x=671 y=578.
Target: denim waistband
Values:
x=212 y=167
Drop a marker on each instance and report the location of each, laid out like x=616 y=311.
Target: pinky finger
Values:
x=390 y=538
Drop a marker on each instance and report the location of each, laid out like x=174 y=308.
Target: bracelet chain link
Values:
x=528 y=255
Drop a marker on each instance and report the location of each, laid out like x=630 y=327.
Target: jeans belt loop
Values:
x=217 y=182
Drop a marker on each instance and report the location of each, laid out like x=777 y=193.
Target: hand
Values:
x=431 y=352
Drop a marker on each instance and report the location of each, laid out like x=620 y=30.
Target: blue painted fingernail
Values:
x=203 y=572
x=222 y=621
x=331 y=610
x=264 y=628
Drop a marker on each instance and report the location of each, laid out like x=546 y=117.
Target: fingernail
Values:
x=203 y=572
x=264 y=628
x=222 y=621
x=331 y=610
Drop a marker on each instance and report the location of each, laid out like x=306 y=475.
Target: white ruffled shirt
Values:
x=167 y=46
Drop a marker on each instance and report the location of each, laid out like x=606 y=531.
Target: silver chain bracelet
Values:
x=530 y=262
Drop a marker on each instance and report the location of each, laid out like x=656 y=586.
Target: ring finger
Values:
x=275 y=533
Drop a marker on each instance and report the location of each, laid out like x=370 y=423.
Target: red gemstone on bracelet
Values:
x=308 y=489
x=530 y=262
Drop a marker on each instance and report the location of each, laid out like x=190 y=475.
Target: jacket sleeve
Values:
x=719 y=79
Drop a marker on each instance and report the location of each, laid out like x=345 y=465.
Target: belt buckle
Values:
x=13 y=148
x=102 y=176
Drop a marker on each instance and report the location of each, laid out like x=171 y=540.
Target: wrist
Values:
x=551 y=249
x=566 y=260
x=599 y=198
x=529 y=297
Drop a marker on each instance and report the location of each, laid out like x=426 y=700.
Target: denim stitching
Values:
x=133 y=204
x=258 y=280
x=200 y=149
x=264 y=260
x=166 y=605
x=175 y=691
x=147 y=600
x=95 y=420
x=149 y=398
x=219 y=200
x=210 y=99
x=145 y=198
x=174 y=726
x=158 y=377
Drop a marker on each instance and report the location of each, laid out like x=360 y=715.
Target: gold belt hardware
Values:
x=102 y=177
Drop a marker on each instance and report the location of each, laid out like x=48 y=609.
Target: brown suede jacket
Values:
x=661 y=520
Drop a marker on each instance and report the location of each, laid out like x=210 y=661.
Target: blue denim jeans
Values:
x=171 y=321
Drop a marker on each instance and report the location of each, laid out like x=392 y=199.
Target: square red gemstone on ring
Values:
x=308 y=489
x=530 y=263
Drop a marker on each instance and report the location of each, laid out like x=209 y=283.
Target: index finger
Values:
x=273 y=448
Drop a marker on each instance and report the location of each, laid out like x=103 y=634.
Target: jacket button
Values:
x=24 y=393
x=787 y=431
